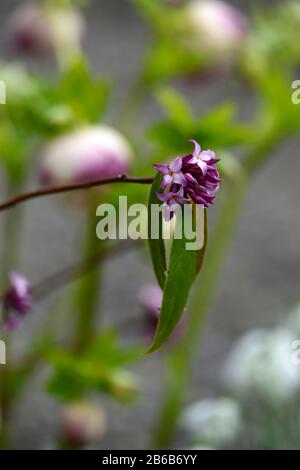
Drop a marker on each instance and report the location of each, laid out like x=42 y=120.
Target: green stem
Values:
x=181 y=358
x=5 y=399
x=86 y=295
x=132 y=105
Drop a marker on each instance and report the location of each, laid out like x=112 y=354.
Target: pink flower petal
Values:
x=202 y=165
x=179 y=178
x=163 y=169
x=176 y=165
x=167 y=180
x=197 y=148
x=164 y=197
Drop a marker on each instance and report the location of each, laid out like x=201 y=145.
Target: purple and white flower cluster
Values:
x=193 y=177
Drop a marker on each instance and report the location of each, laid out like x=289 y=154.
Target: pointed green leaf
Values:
x=183 y=267
x=177 y=108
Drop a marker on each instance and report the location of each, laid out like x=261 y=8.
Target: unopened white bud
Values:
x=88 y=154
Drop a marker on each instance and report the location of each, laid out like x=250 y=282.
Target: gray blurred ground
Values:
x=259 y=282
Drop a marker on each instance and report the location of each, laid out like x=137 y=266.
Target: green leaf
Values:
x=154 y=12
x=272 y=44
x=166 y=61
x=169 y=137
x=215 y=129
x=99 y=368
x=87 y=96
x=66 y=386
x=176 y=106
x=107 y=345
x=183 y=267
x=156 y=246
x=277 y=93
x=46 y=107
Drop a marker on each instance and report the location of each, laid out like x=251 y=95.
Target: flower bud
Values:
x=191 y=177
x=217 y=27
x=123 y=385
x=82 y=423
x=28 y=30
x=215 y=422
x=17 y=300
x=230 y=168
x=88 y=154
x=35 y=30
x=150 y=298
x=260 y=365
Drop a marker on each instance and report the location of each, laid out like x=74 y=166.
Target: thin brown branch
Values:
x=70 y=273
x=70 y=187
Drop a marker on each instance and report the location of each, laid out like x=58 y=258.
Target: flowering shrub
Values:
x=193 y=177
x=56 y=130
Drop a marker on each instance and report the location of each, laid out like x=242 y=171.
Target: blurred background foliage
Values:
x=41 y=108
